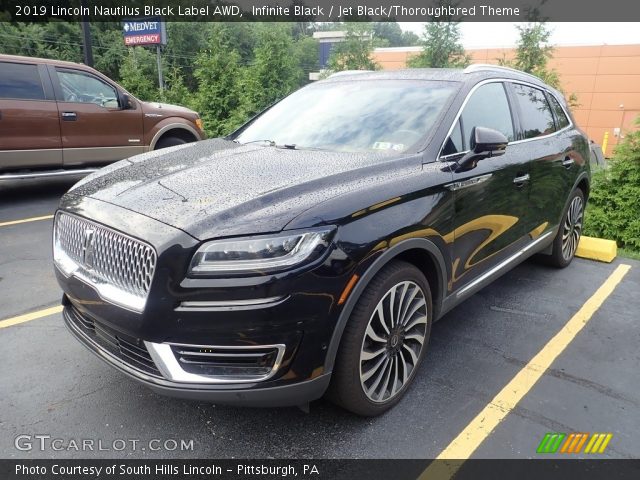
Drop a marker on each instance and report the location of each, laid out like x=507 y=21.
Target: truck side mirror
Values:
x=126 y=103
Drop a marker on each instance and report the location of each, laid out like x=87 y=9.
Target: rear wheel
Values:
x=384 y=341
x=566 y=242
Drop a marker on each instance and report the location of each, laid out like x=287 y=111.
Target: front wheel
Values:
x=169 y=142
x=384 y=341
x=566 y=242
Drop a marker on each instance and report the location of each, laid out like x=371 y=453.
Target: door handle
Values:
x=567 y=162
x=520 y=180
x=69 y=116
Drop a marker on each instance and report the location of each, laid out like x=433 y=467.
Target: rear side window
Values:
x=20 y=81
x=536 y=118
x=561 y=117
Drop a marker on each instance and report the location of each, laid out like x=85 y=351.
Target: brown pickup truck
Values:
x=61 y=118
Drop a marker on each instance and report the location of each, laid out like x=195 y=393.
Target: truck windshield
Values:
x=353 y=116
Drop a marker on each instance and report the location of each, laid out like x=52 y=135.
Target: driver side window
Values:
x=84 y=88
x=487 y=107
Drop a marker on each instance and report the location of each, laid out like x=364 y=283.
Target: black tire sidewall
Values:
x=557 y=259
x=346 y=389
x=169 y=142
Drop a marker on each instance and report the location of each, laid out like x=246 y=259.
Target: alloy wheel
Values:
x=393 y=341
x=572 y=228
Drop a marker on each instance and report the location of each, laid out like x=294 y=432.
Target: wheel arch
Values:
x=422 y=253
x=583 y=184
x=179 y=130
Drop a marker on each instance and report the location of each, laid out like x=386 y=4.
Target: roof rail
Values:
x=479 y=67
x=348 y=72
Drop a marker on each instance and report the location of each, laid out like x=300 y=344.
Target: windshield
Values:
x=358 y=116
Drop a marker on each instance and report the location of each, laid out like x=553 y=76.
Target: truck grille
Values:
x=119 y=267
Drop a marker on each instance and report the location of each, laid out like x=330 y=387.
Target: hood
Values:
x=166 y=109
x=217 y=188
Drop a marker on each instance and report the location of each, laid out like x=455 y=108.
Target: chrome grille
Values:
x=111 y=261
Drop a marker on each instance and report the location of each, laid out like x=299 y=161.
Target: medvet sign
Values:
x=144 y=31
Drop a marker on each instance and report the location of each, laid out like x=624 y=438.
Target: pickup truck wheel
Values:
x=384 y=341
x=169 y=142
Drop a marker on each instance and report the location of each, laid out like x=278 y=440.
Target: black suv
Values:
x=311 y=250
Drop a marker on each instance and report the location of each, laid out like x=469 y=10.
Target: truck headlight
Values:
x=260 y=254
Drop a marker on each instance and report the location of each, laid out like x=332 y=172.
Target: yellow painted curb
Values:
x=597 y=249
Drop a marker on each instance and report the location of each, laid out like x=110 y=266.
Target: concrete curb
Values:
x=597 y=249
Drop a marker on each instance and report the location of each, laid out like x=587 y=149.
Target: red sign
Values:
x=150 y=39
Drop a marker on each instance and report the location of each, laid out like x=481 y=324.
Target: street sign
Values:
x=144 y=31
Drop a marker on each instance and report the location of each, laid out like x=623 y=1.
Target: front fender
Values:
x=369 y=273
x=167 y=124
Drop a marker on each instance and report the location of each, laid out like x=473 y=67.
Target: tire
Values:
x=165 y=142
x=564 y=249
x=364 y=334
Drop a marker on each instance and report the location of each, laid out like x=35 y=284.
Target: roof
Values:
x=17 y=58
x=472 y=73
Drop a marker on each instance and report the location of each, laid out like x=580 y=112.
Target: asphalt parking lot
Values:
x=51 y=385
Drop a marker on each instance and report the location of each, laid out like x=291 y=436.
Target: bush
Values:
x=614 y=203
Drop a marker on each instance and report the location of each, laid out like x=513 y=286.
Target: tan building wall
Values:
x=605 y=78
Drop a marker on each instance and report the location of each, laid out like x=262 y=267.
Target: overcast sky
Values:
x=503 y=34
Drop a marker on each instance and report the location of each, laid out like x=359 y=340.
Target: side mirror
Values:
x=125 y=102
x=485 y=143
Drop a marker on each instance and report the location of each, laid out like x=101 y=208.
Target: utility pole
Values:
x=86 y=36
x=159 y=60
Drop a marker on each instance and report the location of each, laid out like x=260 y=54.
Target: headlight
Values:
x=260 y=254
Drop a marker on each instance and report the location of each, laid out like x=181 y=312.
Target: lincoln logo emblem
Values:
x=87 y=248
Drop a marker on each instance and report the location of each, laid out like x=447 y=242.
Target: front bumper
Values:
x=144 y=371
x=297 y=310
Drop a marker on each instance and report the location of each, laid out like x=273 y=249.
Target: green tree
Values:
x=307 y=58
x=354 y=53
x=137 y=73
x=533 y=53
x=441 y=47
x=217 y=72
x=175 y=90
x=275 y=71
x=109 y=50
x=389 y=34
x=613 y=210
x=184 y=41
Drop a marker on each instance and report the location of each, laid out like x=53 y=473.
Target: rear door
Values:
x=95 y=129
x=29 y=125
x=491 y=199
x=544 y=139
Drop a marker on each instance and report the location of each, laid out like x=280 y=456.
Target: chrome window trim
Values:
x=443 y=158
x=168 y=364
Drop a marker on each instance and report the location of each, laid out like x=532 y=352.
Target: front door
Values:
x=95 y=129
x=491 y=200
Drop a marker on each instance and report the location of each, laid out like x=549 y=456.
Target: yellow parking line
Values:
x=27 y=317
x=461 y=448
x=26 y=220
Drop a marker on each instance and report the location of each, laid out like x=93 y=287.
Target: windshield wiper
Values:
x=271 y=143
